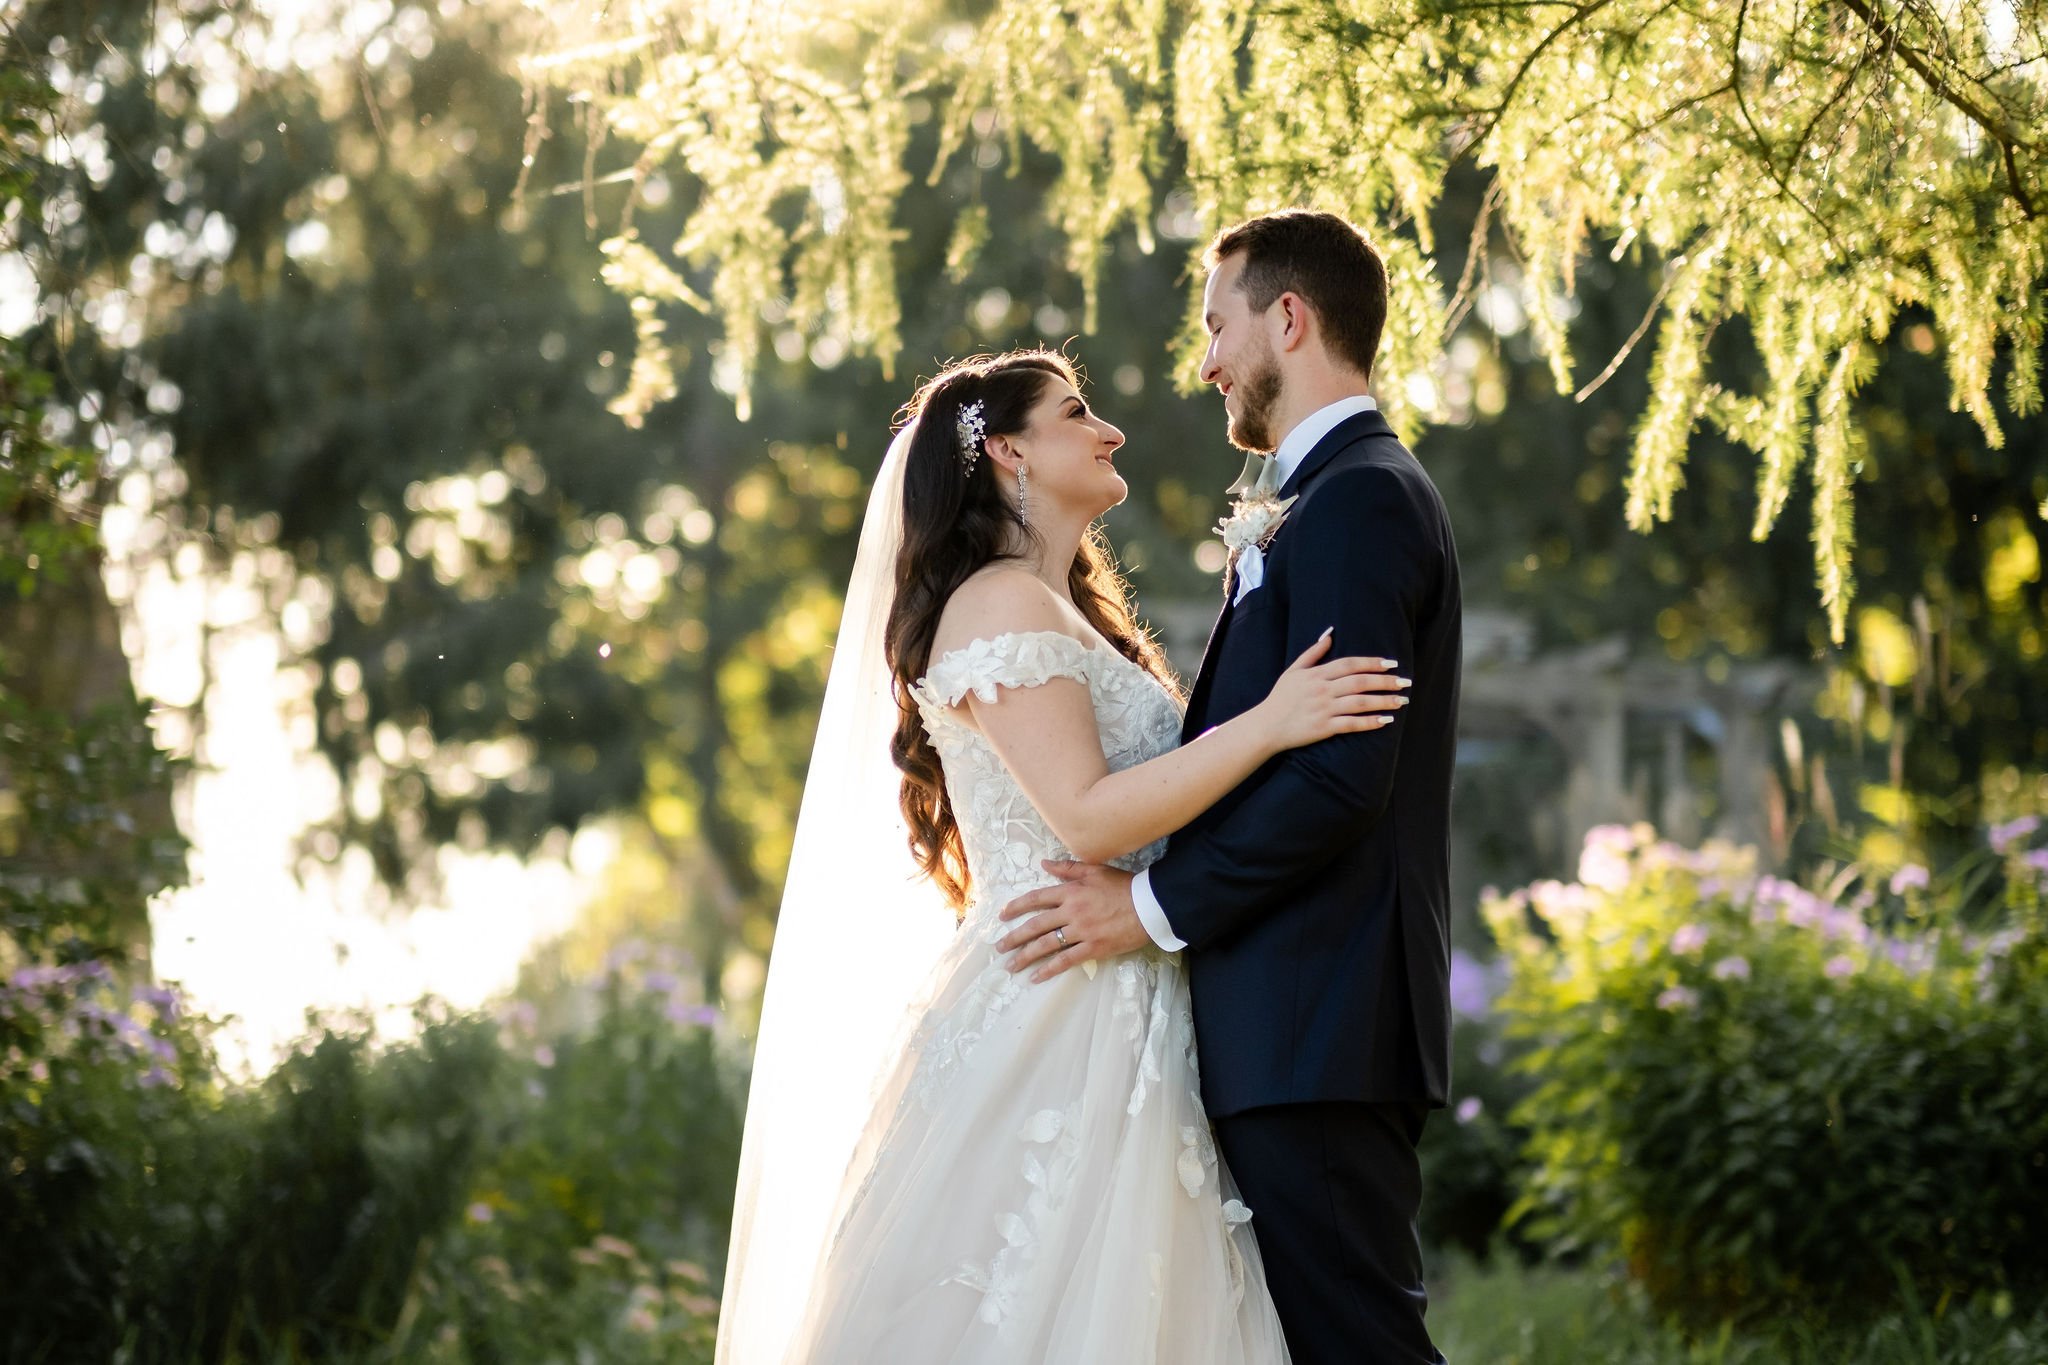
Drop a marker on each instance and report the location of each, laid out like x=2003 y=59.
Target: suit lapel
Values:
x=1198 y=696
x=1354 y=428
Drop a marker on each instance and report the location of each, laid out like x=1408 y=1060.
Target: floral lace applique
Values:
x=1049 y=1177
x=1004 y=837
x=943 y=1046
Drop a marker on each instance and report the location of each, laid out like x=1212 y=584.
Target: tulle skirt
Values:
x=1039 y=1186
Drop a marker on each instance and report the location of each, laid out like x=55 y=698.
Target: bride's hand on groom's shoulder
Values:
x=1316 y=700
x=1086 y=917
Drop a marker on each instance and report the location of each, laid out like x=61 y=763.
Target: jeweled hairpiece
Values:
x=968 y=427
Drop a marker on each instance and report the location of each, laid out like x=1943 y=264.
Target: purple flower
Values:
x=1914 y=958
x=2037 y=860
x=544 y=1055
x=1843 y=924
x=1562 y=905
x=479 y=1212
x=163 y=1000
x=1839 y=966
x=1804 y=910
x=2004 y=837
x=1470 y=995
x=1732 y=969
x=155 y=1078
x=1689 y=939
x=1604 y=868
x=1778 y=899
x=1678 y=998
x=680 y=1013
x=660 y=982
x=1470 y=1108
x=1620 y=838
x=1911 y=877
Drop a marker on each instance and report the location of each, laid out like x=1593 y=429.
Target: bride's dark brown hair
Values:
x=956 y=521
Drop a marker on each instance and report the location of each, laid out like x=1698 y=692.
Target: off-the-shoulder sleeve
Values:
x=1024 y=658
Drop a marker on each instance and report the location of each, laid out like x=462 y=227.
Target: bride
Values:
x=1032 y=1178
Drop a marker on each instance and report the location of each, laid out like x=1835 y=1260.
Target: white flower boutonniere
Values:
x=1256 y=515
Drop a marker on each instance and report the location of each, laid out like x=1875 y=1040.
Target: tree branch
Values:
x=1649 y=316
x=2008 y=140
x=1579 y=15
x=1763 y=144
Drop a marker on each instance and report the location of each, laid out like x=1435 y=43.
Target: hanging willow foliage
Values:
x=1808 y=168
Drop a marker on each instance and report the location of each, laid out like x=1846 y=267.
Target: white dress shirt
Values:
x=1251 y=572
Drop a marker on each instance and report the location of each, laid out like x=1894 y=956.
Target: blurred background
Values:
x=401 y=746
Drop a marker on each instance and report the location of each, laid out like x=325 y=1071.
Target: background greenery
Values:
x=326 y=308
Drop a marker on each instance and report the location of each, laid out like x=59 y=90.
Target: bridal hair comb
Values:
x=968 y=427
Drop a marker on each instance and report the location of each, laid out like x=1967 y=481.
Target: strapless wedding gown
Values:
x=1038 y=1185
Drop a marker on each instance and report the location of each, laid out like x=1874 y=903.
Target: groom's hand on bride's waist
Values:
x=1085 y=917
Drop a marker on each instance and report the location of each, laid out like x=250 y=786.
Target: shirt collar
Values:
x=1314 y=428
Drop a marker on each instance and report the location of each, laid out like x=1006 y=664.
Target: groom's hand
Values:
x=1090 y=907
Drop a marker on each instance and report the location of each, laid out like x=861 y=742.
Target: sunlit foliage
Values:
x=1805 y=171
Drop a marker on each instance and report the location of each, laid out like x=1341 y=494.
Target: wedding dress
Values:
x=1037 y=1184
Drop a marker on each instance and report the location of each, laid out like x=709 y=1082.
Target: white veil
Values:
x=859 y=932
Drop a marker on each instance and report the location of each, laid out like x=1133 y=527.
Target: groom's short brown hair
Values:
x=1327 y=261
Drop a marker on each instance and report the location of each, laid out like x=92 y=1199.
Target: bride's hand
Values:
x=1314 y=700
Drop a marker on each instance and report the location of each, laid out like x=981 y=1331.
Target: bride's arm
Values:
x=1046 y=735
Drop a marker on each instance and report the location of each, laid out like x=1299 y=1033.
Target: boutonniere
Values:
x=1255 y=514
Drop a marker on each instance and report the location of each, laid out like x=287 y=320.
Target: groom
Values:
x=1312 y=901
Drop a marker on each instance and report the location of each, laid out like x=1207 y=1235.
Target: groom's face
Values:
x=1240 y=360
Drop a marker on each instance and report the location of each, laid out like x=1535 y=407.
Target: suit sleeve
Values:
x=1364 y=559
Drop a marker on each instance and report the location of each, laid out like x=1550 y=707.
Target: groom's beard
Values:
x=1257 y=395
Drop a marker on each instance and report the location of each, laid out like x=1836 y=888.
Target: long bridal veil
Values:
x=858 y=934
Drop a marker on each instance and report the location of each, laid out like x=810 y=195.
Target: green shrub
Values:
x=153 y=1209
x=1473 y=1167
x=474 y=1193
x=1505 y=1313
x=629 y=1123
x=1767 y=1105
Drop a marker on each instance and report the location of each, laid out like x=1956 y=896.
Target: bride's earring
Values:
x=1023 y=495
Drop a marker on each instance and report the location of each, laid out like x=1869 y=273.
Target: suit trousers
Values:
x=1335 y=1190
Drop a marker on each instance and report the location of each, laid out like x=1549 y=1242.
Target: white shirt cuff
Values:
x=1151 y=915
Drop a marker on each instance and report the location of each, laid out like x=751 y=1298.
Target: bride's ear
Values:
x=1002 y=451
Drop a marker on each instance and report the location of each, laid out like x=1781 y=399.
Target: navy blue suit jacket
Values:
x=1314 y=898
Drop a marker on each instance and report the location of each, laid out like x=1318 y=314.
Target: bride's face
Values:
x=1069 y=452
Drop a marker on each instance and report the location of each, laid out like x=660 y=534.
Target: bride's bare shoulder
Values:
x=999 y=599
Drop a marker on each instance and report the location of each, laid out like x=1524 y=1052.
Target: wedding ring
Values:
x=1060 y=935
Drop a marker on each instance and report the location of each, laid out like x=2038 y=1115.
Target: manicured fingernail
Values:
x=1400 y=701
x=1326 y=632
x=1381 y=720
x=1390 y=663
x=1405 y=682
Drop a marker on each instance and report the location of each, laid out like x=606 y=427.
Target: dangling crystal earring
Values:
x=1023 y=494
